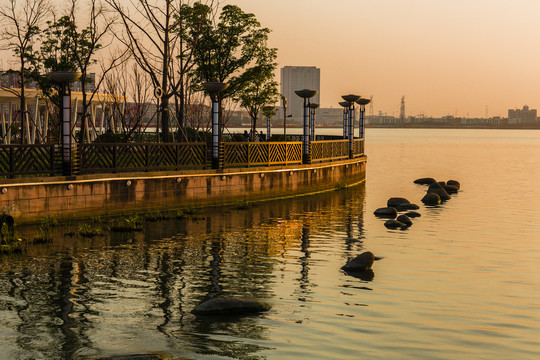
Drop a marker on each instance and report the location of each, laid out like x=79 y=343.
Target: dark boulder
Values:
x=439 y=190
x=394 y=224
x=405 y=220
x=405 y=207
x=454 y=183
x=451 y=189
x=431 y=199
x=230 y=306
x=395 y=201
x=387 y=212
x=425 y=181
x=412 y=214
x=363 y=261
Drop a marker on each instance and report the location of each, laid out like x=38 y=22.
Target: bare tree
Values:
x=21 y=21
x=152 y=32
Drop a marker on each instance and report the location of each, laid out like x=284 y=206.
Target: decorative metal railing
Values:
x=29 y=160
x=329 y=150
x=358 y=147
x=96 y=158
x=45 y=160
x=246 y=154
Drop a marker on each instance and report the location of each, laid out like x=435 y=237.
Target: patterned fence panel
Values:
x=29 y=160
x=262 y=153
x=235 y=154
x=329 y=150
x=358 y=147
x=103 y=158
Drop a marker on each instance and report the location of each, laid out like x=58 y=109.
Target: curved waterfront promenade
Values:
x=30 y=199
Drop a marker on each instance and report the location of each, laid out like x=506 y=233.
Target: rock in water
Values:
x=454 y=183
x=405 y=207
x=425 y=181
x=451 y=189
x=412 y=214
x=230 y=306
x=404 y=219
x=394 y=224
x=395 y=201
x=431 y=199
x=439 y=190
x=363 y=261
x=387 y=212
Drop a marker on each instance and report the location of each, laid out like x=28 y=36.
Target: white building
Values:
x=298 y=78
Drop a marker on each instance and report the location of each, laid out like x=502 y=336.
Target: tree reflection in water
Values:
x=129 y=293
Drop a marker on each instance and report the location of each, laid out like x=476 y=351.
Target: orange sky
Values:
x=459 y=57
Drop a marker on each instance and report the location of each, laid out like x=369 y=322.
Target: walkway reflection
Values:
x=79 y=297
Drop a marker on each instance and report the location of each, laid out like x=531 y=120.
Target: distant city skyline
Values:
x=462 y=58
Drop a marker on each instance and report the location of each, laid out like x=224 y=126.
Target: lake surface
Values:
x=462 y=283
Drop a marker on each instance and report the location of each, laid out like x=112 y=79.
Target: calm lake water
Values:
x=462 y=283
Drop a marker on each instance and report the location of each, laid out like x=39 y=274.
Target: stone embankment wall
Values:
x=29 y=200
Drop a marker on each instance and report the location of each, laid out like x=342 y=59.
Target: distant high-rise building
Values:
x=522 y=116
x=298 y=78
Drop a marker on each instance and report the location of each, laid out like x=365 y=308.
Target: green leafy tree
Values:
x=234 y=50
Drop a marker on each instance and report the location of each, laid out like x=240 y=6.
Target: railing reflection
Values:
x=78 y=294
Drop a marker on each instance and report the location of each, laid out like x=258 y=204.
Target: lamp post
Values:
x=214 y=88
x=267 y=110
x=284 y=101
x=346 y=106
x=64 y=78
x=312 y=107
x=362 y=102
x=351 y=99
x=306 y=94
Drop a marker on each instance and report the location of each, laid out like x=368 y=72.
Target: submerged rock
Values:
x=395 y=201
x=363 y=261
x=431 y=199
x=387 y=212
x=394 y=224
x=454 y=183
x=230 y=306
x=365 y=275
x=425 y=181
x=413 y=214
x=405 y=220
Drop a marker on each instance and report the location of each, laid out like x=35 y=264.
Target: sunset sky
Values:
x=460 y=57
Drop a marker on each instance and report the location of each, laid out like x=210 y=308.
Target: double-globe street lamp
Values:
x=306 y=94
x=214 y=88
x=351 y=99
x=64 y=78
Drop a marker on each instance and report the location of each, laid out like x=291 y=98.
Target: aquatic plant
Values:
x=126 y=224
x=88 y=231
x=9 y=243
